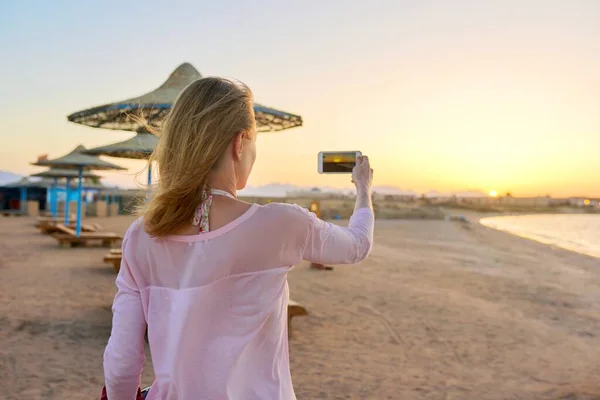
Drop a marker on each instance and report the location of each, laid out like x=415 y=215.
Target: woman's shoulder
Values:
x=283 y=221
x=135 y=229
x=286 y=209
x=284 y=214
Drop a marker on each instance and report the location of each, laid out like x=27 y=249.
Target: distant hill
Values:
x=8 y=177
x=282 y=190
x=271 y=190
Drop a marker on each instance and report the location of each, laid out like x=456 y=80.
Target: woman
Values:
x=205 y=272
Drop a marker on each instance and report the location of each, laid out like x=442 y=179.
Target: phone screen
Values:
x=339 y=162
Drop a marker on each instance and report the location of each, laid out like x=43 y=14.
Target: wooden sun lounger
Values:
x=12 y=213
x=68 y=238
x=60 y=215
x=294 y=309
x=53 y=227
x=50 y=220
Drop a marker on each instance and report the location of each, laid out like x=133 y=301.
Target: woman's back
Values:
x=216 y=303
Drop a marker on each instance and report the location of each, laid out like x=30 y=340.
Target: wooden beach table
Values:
x=68 y=238
x=114 y=258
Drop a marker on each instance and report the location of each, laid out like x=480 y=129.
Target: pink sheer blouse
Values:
x=216 y=303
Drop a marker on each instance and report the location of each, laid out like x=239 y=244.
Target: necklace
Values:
x=201 y=217
x=219 y=192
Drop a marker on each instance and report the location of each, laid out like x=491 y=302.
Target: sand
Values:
x=441 y=310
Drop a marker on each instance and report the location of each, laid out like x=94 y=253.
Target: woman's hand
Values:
x=362 y=174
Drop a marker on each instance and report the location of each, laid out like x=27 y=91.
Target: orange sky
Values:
x=451 y=97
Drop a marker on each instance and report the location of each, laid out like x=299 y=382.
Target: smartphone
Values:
x=337 y=162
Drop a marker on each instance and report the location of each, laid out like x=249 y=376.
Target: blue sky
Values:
x=447 y=95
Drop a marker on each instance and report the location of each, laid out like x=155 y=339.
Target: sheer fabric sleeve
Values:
x=124 y=354
x=327 y=243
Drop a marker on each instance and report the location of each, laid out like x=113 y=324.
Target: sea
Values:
x=575 y=232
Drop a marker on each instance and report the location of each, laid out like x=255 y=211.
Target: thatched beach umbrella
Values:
x=55 y=174
x=139 y=147
x=155 y=105
x=76 y=160
x=58 y=173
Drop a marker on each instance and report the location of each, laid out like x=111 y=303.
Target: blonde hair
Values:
x=205 y=118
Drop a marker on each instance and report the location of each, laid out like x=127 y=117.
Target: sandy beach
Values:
x=441 y=310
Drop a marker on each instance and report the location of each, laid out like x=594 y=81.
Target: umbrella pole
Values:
x=79 y=190
x=53 y=199
x=67 y=219
x=149 y=175
x=149 y=181
x=23 y=200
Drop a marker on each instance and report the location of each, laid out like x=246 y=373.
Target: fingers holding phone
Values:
x=347 y=162
x=362 y=173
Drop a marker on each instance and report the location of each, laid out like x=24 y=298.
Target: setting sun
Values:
x=493 y=193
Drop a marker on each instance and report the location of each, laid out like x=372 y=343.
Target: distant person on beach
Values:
x=205 y=272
